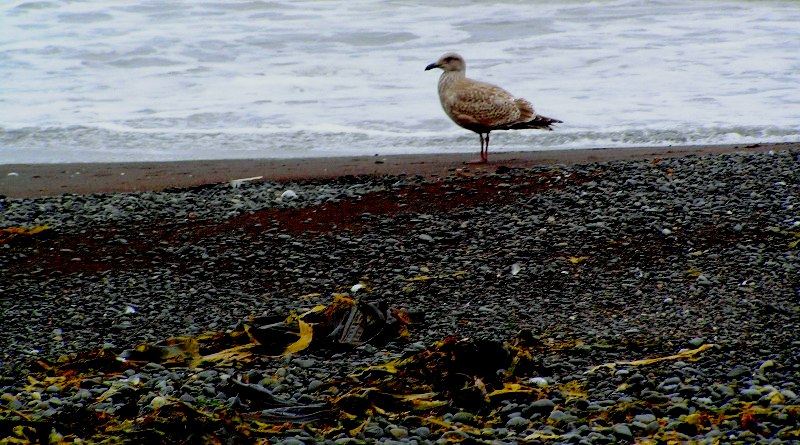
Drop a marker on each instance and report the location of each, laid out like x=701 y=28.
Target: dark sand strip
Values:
x=31 y=180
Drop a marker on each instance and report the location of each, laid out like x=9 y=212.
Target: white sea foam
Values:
x=144 y=80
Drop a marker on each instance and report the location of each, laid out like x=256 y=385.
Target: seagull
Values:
x=482 y=107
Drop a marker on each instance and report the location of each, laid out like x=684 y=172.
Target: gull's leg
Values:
x=483 y=148
x=485 y=156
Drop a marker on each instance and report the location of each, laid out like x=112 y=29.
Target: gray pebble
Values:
x=559 y=416
x=644 y=418
x=542 y=406
x=517 y=423
x=622 y=431
x=422 y=432
x=304 y=363
x=738 y=371
x=398 y=433
x=750 y=394
x=463 y=417
x=697 y=341
x=373 y=430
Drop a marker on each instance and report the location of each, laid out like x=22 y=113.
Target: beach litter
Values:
x=236 y=183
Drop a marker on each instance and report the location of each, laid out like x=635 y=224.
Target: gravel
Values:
x=600 y=266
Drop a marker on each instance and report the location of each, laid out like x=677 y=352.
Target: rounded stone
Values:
x=398 y=433
x=517 y=423
x=738 y=371
x=559 y=416
x=622 y=431
x=422 y=432
x=644 y=418
x=463 y=417
x=541 y=406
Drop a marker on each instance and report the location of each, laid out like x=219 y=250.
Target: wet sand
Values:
x=32 y=180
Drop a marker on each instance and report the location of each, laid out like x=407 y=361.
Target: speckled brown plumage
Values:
x=482 y=107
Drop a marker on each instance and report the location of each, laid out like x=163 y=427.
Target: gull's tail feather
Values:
x=538 y=121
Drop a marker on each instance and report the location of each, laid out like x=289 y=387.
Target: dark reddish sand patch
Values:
x=109 y=247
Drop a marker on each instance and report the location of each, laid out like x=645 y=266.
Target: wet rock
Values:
x=622 y=431
x=559 y=416
x=750 y=394
x=541 y=406
x=463 y=417
x=422 y=432
x=517 y=423
x=738 y=371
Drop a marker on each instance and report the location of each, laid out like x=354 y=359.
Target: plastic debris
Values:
x=236 y=183
x=288 y=195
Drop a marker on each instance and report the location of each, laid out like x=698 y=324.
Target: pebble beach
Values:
x=653 y=299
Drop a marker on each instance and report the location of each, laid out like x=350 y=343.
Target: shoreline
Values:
x=37 y=180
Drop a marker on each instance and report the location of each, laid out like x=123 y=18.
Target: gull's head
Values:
x=449 y=62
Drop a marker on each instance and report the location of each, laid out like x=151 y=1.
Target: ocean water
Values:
x=135 y=80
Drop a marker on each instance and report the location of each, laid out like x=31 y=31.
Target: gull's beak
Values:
x=432 y=66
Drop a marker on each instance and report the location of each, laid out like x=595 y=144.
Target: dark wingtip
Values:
x=550 y=120
x=538 y=122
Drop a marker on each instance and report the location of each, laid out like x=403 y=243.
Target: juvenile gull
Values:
x=482 y=107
